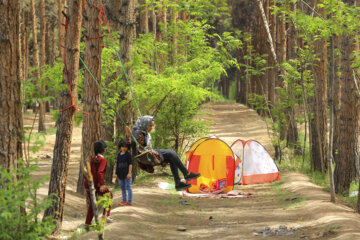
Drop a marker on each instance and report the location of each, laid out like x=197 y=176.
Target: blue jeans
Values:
x=125 y=185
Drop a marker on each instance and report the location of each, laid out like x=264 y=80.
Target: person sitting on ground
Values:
x=123 y=172
x=98 y=169
x=142 y=142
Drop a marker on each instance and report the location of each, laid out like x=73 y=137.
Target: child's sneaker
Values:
x=122 y=204
x=192 y=176
x=182 y=186
x=128 y=204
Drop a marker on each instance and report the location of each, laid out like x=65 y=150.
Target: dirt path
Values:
x=293 y=206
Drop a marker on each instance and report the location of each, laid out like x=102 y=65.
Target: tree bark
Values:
x=174 y=40
x=272 y=73
x=331 y=120
x=144 y=17
x=319 y=123
x=349 y=117
x=292 y=135
x=42 y=103
x=337 y=101
x=36 y=62
x=11 y=124
x=161 y=29
x=26 y=52
x=92 y=96
x=267 y=29
x=59 y=169
x=61 y=28
x=281 y=44
x=52 y=45
x=128 y=30
x=357 y=49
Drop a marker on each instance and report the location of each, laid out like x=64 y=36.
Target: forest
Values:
x=99 y=65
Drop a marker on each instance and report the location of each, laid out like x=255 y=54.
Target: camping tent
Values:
x=257 y=164
x=215 y=161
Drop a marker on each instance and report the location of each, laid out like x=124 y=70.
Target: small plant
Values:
x=20 y=206
x=104 y=202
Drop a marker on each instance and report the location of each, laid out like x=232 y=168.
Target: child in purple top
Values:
x=124 y=165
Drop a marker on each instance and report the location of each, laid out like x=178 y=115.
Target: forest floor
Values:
x=293 y=208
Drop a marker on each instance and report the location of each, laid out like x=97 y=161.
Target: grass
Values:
x=291 y=163
x=168 y=202
x=286 y=198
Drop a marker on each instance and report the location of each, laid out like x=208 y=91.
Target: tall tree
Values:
x=36 y=62
x=272 y=73
x=42 y=104
x=11 y=125
x=67 y=101
x=91 y=130
x=357 y=50
x=144 y=17
x=174 y=20
x=61 y=28
x=128 y=30
x=348 y=151
x=292 y=135
x=243 y=19
x=319 y=122
x=336 y=98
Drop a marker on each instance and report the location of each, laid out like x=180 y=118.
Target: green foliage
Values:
x=104 y=202
x=20 y=206
x=51 y=78
x=111 y=152
x=174 y=90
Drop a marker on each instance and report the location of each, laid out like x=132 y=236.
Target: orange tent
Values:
x=215 y=161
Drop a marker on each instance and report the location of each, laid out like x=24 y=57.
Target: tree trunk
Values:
x=272 y=73
x=349 y=117
x=48 y=57
x=331 y=121
x=128 y=30
x=107 y=134
x=161 y=29
x=59 y=169
x=281 y=42
x=337 y=102
x=11 y=124
x=36 y=62
x=281 y=53
x=92 y=96
x=243 y=19
x=107 y=130
x=42 y=103
x=52 y=45
x=61 y=29
x=144 y=17
x=319 y=123
x=357 y=49
x=26 y=52
x=51 y=58
x=292 y=135
x=20 y=45
x=113 y=13
x=174 y=45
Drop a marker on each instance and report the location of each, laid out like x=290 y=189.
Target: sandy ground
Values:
x=295 y=203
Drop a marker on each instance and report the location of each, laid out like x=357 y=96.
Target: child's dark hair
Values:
x=123 y=143
x=99 y=147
